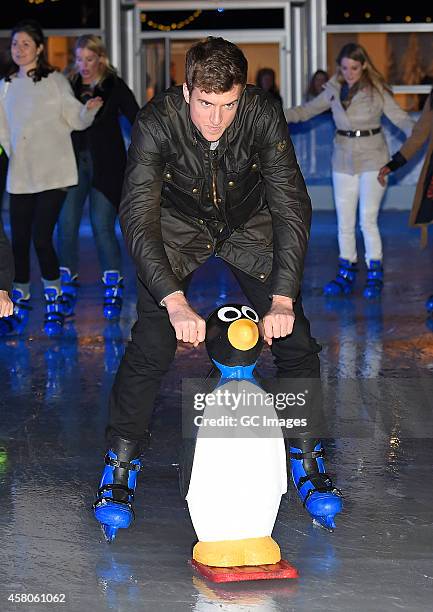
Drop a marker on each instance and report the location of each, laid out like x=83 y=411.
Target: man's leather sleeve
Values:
x=287 y=199
x=139 y=212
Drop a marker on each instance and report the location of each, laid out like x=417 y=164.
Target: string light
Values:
x=39 y=1
x=173 y=26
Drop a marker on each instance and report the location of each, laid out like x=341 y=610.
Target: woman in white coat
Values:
x=358 y=97
x=38 y=111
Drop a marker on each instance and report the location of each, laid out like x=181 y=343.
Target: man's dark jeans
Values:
x=153 y=346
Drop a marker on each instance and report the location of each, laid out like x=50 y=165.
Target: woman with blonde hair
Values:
x=101 y=157
x=358 y=97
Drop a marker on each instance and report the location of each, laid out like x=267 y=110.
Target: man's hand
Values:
x=6 y=304
x=188 y=325
x=383 y=172
x=279 y=320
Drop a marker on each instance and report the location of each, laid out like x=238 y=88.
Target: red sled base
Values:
x=276 y=571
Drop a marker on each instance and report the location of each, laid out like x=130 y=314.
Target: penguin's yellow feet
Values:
x=231 y=553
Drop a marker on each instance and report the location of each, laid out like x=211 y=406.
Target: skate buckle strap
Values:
x=110 y=300
x=113 y=487
x=321 y=484
x=114 y=286
x=342 y=280
x=121 y=464
x=310 y=455
x=23 y=304
x=71 y=283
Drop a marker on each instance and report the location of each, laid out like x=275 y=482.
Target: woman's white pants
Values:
x=348 y=190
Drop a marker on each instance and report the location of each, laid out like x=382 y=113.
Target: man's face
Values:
x=212 y=113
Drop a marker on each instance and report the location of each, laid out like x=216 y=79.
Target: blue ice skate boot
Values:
x=69 y=291
x=374 y=285
x=343 y=283
x=429 y=305
x=113 y=506
x=113 y=294
x=18 y=320
x=54 y=315
x=314 y=487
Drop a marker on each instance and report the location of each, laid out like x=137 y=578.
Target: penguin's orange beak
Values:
x=243 y=334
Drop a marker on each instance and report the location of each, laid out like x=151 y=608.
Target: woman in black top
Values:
x=101 y=158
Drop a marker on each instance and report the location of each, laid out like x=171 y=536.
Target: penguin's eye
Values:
x=249 y=313
x=229 y=314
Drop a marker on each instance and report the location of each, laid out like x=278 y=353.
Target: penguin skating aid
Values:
x=236 y=481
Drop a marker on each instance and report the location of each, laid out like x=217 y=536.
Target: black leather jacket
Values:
x=245 y=202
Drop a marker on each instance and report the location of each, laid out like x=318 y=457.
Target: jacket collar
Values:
x=198 y=139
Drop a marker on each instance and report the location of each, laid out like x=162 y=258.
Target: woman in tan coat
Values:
x=422 y=207
x=358 y=98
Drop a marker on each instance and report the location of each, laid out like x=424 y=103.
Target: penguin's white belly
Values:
x=237 y=482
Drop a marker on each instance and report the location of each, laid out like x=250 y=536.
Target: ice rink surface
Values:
x=377 y=366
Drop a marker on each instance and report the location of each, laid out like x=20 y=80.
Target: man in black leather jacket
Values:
x=211 y=171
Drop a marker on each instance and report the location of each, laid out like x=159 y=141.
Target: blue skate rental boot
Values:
x=17 y=322
x=113 y=294
x=69 y=291
x=314 y=487
x=344 y=281
x=429 y=305
x=374 y=285
x=54 y=315
x=113 y=506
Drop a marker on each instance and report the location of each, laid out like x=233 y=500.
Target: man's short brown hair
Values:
x=215 y=65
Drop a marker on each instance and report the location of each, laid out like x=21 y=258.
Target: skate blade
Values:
x=325 y=522
x=280 y=570
x=109 y=532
